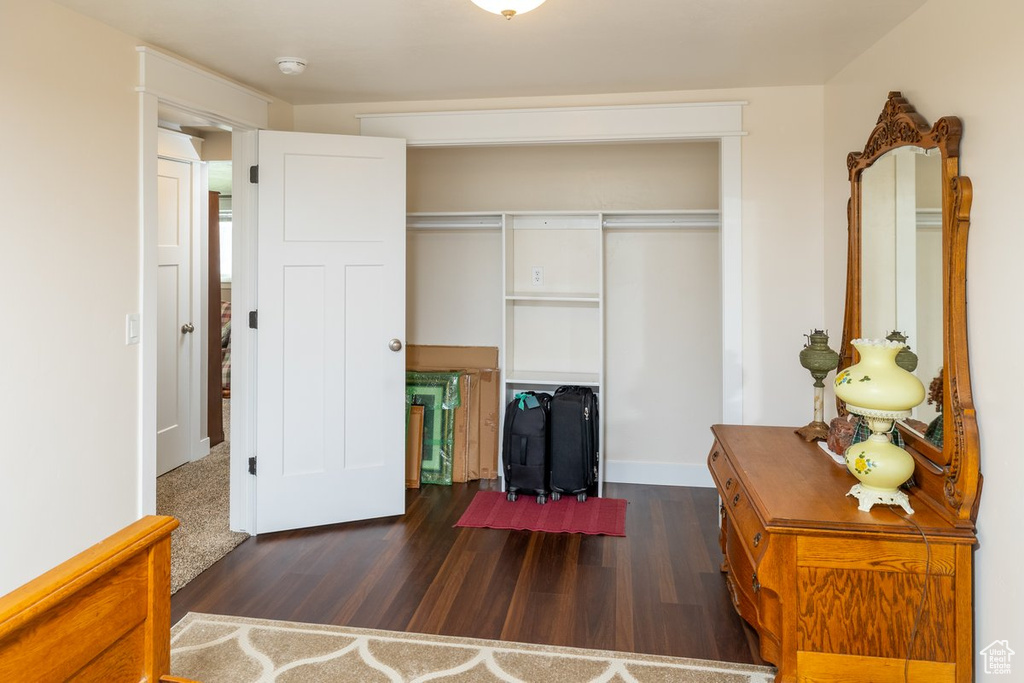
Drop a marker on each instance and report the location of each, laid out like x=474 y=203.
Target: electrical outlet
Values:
x=538 y=276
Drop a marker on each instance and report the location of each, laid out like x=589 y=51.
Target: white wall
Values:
x=782 y=215
x=962 y=59
x=69 y=193
x=69 y=255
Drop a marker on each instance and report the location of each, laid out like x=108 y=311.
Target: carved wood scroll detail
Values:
x=900 y=125
x=962 y=476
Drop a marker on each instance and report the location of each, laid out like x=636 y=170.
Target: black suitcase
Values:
x=573 y=441
x=524 y=450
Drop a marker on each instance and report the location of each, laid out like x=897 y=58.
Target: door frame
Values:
x=170 y=87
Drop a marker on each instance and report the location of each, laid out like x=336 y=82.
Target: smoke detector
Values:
x=291 y=66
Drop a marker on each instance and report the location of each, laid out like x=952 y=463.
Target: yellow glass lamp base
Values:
x=881 y=467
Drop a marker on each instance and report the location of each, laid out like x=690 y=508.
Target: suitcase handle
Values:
x=522 y=450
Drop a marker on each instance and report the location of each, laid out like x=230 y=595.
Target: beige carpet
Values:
x=218 y=649
x=197 y=494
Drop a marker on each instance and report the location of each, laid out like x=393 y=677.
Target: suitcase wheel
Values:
x=541 y=499
x=581 y=497
x=511 y=496
x=556 y=496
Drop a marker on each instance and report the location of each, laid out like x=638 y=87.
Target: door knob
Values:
x=395 y=345
x=188 y=328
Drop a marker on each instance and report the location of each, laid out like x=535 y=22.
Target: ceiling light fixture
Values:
x=291 y=66
x=508 y=8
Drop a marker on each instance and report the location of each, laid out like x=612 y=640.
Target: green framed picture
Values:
x=438 y=393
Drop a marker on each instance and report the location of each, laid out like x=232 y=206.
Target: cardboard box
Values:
x=461 y=447
x=413 y=447
x=419 y=357
x=472 y=378
x=481 y=382
x=490 y=395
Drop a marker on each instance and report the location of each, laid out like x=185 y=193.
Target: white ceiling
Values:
x=396 y=50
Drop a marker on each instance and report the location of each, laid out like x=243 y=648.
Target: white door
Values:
x=330 y=390
x=174 y=313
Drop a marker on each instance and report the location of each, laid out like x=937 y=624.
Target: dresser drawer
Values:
x=736 y=503
x=748 y=526
x=741 y=576
x=723 y=473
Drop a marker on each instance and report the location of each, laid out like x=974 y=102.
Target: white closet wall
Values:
x=663 y=343
x=454 y=290
x=605 y=177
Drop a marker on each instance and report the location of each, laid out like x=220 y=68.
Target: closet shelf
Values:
x=553 y=379
x=554 y=297
x=674 y=220
x=453 y=222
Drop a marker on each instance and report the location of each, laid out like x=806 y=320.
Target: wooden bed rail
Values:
x=104 y=615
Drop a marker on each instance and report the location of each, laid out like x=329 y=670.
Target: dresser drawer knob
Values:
x=736 y=499
x=714 y=456
x=757 y=539
x=755 y=583
x=728 y=483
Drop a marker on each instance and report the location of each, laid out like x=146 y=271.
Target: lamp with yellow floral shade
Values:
x=881 y=392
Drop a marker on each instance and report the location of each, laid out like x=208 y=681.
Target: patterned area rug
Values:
x=492 y=510
x=218 y=649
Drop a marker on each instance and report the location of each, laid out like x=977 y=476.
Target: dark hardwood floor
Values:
x=657 y=591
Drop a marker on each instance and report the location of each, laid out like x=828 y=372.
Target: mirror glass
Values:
x=901 y=282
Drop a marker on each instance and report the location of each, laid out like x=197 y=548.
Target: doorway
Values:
x=219 y=298
x=193 y=308
x=171 y=90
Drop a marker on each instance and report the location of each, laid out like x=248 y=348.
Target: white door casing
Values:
x=174 y=309
x=331 y=296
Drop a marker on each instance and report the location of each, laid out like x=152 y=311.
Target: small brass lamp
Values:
x=819 y=359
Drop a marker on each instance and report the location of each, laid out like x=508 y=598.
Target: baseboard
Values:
x=204 y=449
x=658 y=473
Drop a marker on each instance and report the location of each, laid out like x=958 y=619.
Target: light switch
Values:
x=132 y=330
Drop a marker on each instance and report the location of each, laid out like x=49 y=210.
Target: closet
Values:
x=595 y=265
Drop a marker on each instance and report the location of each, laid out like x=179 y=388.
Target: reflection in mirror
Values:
x=901 y=286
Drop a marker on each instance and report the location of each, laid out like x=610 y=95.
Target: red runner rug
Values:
x=490 y=509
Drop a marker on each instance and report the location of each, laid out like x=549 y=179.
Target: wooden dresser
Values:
x=833 y=592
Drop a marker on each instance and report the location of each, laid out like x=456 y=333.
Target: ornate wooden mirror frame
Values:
x=950 y=479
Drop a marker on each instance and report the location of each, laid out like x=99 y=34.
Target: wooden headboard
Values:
x=103 y=615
